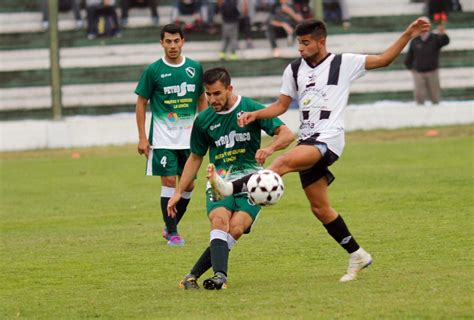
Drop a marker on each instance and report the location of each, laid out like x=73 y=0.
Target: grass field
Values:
x=81 y=238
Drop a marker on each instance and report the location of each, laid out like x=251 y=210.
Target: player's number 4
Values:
x=163 y=162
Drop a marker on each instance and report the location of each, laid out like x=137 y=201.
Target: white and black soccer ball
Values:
x=265 y=187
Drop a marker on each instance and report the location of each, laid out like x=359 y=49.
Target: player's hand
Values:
x=143 y=147
x=246 y=118
x=262 y=154
x=418 y=27
x=171 y=208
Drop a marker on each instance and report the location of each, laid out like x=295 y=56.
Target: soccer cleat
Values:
x=220 y=187
x=188 y=282
x=217 y=282
x=165 y=234
x=358 y=260
x=176 y=241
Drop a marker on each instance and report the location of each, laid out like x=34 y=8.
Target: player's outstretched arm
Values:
x=417 y=27
x=190 y=170
x=273 y=110
x=284 y=137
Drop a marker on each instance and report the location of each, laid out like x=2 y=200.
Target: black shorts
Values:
x=320 y=169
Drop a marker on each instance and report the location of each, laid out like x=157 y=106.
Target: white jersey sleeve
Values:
x=354 y=65
x=288 y=86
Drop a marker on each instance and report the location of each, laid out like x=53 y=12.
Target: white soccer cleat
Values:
x=358 y=260
x=220 y=187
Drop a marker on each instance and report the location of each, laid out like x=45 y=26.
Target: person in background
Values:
x=230 y=13
x=438 y=10
x=63 y=6
x=422 y=60
x=108 y=26
x=282 y=21
x=173 y=87
x=126 y=4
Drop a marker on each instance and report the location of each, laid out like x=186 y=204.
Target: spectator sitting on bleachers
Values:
x=127 y=4
x=337 y=11
x=282 y=22
x=191 y=8
x=102 y=19
x=63 y=6
x=303 y=8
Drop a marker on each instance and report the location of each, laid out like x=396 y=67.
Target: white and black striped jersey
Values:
x=322 y=93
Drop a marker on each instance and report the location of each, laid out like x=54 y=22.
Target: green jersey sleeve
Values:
x=145 y=85
x=199 y=140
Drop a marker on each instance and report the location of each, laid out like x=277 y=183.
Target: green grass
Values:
x=81 y=238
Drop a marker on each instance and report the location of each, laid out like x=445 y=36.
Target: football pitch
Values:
x=81 y=238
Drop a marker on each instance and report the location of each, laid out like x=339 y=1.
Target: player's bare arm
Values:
x=284 y=137
x=140 y=113
x=384 y=59
x=202 y=102
x=190 y=170
x=273 y=110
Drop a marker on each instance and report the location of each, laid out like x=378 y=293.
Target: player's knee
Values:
x=169 y=181
x=236 y=231
x=281 y=164
x=220 y=223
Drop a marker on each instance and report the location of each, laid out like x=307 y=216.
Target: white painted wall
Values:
x=82 y=131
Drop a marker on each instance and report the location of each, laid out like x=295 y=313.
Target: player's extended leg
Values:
x=317 y=194
x=300 y=158
x=220 y=223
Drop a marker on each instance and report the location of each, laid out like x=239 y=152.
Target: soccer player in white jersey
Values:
x=320 y=81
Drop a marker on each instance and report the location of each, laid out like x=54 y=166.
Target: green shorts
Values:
x=166 y=162
x=233 y=203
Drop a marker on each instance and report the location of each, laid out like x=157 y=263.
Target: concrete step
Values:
x=144 y=54
x=109 y=94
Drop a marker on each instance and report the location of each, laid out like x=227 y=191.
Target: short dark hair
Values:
x=314 y=27
x=173 y=29
x=216 y=74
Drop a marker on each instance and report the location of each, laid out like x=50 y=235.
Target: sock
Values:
x=203 y=264
x=339 y=231
x=240 y=185
x=169 y=222
x=219 y=251
x=182 y=205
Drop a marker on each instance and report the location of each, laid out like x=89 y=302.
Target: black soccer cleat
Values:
x=188 y=282
x=217 y=282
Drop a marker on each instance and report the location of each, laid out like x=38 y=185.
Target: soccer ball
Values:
x=265 y=187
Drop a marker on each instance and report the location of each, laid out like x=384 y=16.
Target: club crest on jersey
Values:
x=239 y=114
x=190 y=71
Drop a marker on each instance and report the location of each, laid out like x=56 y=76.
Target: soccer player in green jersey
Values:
x=235 y=152
x=173 y=86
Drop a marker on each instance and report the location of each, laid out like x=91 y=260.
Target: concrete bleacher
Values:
x=101 y=93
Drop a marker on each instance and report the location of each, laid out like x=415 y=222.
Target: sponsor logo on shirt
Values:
x=180 y=90
x=165 y=75
x=214 y=126
x=229 y=139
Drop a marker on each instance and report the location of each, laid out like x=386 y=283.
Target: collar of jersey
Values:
x=320 y=62
x=232 y=108
x=174 y=65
